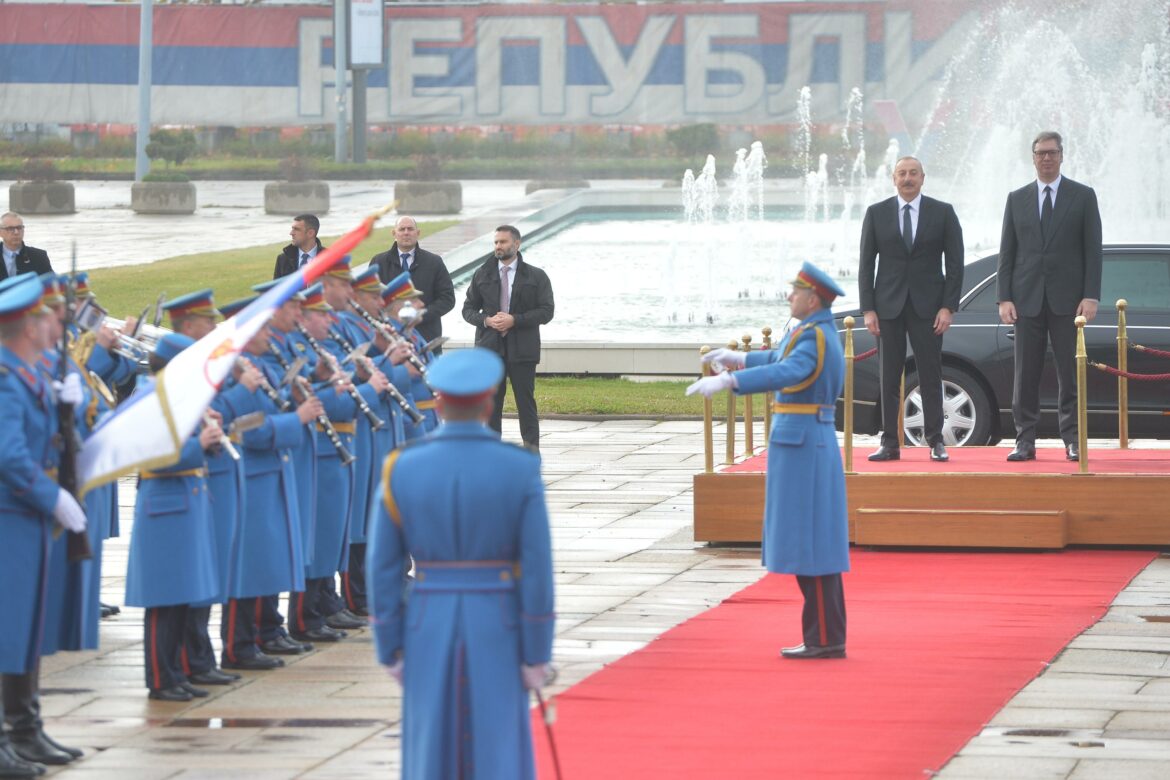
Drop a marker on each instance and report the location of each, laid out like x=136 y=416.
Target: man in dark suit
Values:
x=507 y=302
x=428 y=274
x=304 y=247
x=1049 y=274
x=18 y=256
x=914 y=293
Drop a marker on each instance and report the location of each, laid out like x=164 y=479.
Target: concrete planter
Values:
x=429 y=197
x=41 y=197
x=296 y=197
x=162 y=197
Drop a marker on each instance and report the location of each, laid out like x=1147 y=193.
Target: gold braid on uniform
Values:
x=796 y=388
x=387 y=496
x=80 y=350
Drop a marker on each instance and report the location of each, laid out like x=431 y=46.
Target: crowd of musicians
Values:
x=272 y=494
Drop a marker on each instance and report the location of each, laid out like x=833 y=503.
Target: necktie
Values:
x=304 y=259
x=406 y=261
x=505 y=291
x=907 y=228
x=1046 y=213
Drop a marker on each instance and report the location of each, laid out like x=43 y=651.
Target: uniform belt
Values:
x=823 y=413
x=164 y=474
x=341 y=427
x=465 y=575
x=425 y=405
x=51 y=473
x=236 y=437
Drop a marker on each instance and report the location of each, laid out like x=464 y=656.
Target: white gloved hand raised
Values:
x=535 y=677
x=69 y=513
x=69 y=391
x=710 y=385
x=395 y=670
x=724 y=358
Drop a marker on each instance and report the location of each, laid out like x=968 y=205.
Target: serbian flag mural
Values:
x=148 y=430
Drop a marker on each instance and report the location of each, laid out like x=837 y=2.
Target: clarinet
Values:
x=376 y=422
x=415 y=416
x=281 y=403
x=391 y=336
x=322 y=419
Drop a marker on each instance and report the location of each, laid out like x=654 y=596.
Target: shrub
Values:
x=171 y=146
x=166 y=176
x=39 y=169
x=693 y=140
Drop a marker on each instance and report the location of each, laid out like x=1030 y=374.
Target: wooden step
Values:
x=1023 y=528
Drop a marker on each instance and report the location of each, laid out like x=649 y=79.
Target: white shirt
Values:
x=511 y=277
x=406 y=258
x=1055 y=185
x=10 y=260
x=301 y=256
x=915 y=205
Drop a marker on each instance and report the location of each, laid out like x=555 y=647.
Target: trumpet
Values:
x=135 y=346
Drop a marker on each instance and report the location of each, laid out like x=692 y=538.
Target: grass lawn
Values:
x=600 y=396
x=128 y=289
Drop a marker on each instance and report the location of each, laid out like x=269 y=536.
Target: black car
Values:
x=977 y=358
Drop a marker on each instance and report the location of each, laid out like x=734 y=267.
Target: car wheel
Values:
x=966 y=410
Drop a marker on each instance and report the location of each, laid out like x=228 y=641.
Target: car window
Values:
x=984 y=299
x=1142 y=279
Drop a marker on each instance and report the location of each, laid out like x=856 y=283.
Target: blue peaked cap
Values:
x=466 y=372
x=813 y=277
x=170 y=345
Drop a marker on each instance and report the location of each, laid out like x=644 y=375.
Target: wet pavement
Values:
x=627 y=569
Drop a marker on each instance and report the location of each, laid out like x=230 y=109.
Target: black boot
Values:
x=12 y=765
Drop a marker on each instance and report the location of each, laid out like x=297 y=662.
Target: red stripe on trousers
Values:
x=300 y=597
x=349 y=602
x=183 y=659
x=821 y=612
x=154 y=648
x=231 y=637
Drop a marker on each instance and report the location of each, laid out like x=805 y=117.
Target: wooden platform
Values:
x=1004 y=510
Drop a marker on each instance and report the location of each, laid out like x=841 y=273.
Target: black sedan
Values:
x=977 y=358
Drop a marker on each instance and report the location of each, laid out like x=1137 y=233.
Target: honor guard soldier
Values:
x=483 y=580
x=172 y=550
x=31 y=503
x=806 y=530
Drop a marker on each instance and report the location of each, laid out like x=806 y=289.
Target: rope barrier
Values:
x=865 y=355
x=1150 y=351
x=1130 y=374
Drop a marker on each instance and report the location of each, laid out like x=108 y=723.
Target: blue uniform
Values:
x=470 y=510
x=28 y=495
x=806 y=528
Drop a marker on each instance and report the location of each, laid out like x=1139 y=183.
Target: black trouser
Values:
x=523 y=378
x=353 y=581
x=1031 y=343
x=270 y=619
x=305 y=608
x=164 y=629
x=238 y=629
x=21 y=710
x=823 y=617
x=927 y=348
x=328 y=600
x=198 y=655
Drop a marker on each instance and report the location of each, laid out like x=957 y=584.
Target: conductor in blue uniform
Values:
x=806 y=530
x=473 y=631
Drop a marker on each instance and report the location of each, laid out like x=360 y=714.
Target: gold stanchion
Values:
x=1082 y=401
x=729 y=455
x=748 y=416
x=767 y=396
x=1122 y=382
x=901 y=429
x=708 y=424
x=847 y=427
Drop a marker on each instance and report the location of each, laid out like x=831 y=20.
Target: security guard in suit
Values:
x=483 y=580
x=31 y=504
x=806 y=531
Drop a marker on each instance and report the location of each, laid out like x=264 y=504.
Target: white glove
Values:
x=69 y=513
x=710 y=385
x=395 y=670
x=69 y=391
x=535 y=676
x=724 y=358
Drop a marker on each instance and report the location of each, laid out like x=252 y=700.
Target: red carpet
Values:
x=991 y=460
x=938 y=642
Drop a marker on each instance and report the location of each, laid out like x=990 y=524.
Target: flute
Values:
x=322 y=419
x=415 y=416
x=376 y=422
